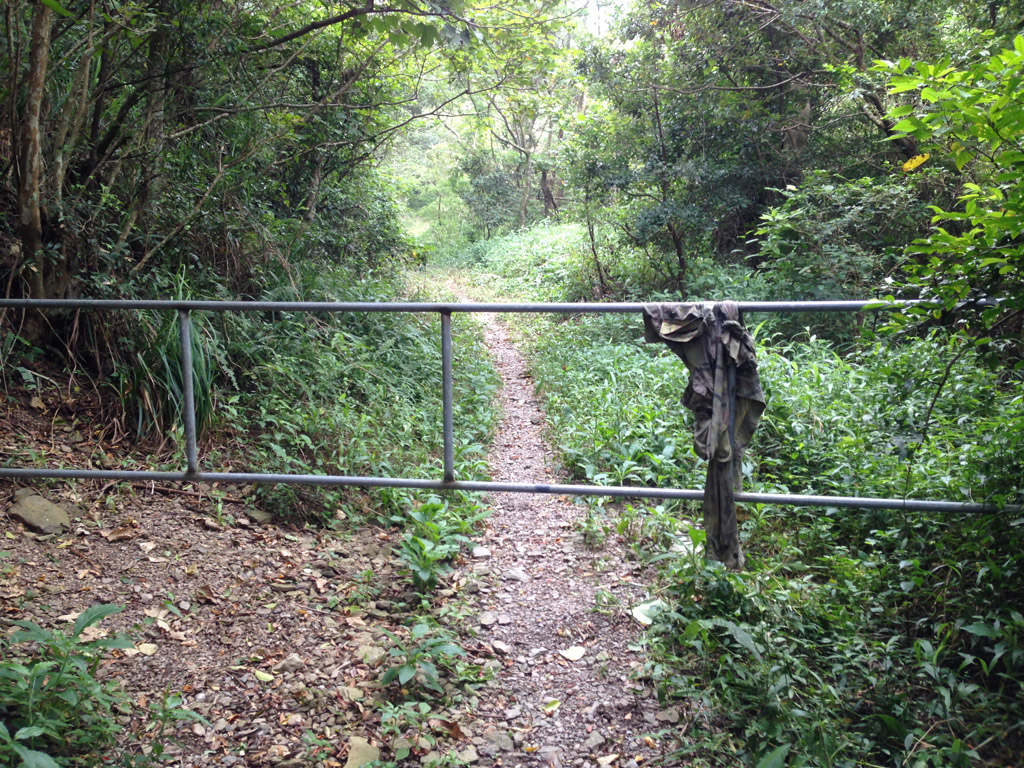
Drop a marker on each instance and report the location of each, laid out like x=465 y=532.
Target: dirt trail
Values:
x=539 y=584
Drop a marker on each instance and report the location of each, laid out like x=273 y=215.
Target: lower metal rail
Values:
x=619 y=491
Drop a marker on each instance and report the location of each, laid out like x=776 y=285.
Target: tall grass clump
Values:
x=350 y=394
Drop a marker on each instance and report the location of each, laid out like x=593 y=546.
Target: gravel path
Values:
x=566 y=694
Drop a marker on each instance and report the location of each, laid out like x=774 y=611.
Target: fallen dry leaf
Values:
x=92 y=633
x=573 y=654
x=205 y=595
x=121 y=533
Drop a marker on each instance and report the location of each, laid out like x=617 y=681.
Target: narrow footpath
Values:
x=567 y=694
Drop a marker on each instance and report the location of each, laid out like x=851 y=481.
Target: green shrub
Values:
x=53 y=710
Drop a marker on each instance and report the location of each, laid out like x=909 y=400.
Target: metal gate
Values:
x=194 y=473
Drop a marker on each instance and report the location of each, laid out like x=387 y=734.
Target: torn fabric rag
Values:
x=724 y=394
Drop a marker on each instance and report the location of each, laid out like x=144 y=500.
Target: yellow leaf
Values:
x=915 y=162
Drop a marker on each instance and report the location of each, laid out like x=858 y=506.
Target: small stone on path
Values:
x=371 y=655
x=360 y=752
x=515 y=574
x=670 y=715
x=292 y=663
x=488 y=618
x=481 y=552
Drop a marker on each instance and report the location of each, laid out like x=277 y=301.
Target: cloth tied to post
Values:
x=724 y=393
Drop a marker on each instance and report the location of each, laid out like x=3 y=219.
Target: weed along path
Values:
x=565 y=694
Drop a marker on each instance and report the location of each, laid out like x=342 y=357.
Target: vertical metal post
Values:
x=446 y=394
x=188 y=405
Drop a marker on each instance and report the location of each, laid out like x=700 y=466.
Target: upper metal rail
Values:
x=193 y=472
x=434 y=306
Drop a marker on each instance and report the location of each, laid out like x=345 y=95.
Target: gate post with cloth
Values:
x=724 y=393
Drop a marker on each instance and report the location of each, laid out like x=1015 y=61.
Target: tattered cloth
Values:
x=724 y=394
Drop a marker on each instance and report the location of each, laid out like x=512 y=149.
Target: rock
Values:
x=481 y=552
x=469 y=755
x=277 y=752
x=594 y=741
x=351 y=694
x=607 y=760
x=39 y=514
x=360 y=752
x=552 y=756
x=513 y=712
x=670 y=715
x=501 y=647
x=498 y=739
x=371 y=655
x=292 y=663
x=515 y=574
x=259 y=517
x=24 y=493
x=487 y=618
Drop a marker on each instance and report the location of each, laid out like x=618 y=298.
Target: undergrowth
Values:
x=54 y=711
x=855 y=637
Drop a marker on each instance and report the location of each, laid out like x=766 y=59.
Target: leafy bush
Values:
x=425 y=660
x=53 y=710
x=435 y=534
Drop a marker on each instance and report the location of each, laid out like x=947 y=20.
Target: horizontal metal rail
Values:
x=619 y=491
x=445 y=310
x=433 y=306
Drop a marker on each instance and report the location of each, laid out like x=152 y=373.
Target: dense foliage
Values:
x=853 y=637
x=722 y=149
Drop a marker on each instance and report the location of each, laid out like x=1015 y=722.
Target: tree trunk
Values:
x=593 y=250
x=547 y=184
x=41 y=278
x=524 y=203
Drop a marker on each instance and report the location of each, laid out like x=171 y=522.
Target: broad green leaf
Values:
x=56 y=7
x=93 y=615
x=29 y=732
x=776 y=758
x=901 y=111
x=31 y=758
x=982 y=630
